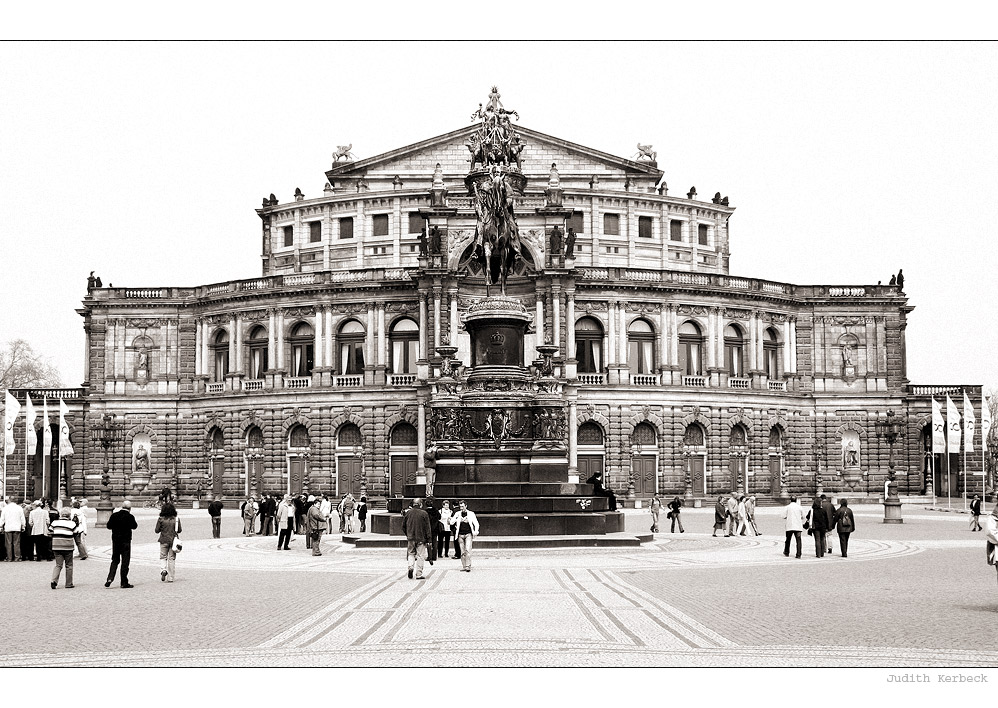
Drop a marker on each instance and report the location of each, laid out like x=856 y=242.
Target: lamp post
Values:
x=992 y=444
x=173 y=457
x=889 y=429
x=106 y=434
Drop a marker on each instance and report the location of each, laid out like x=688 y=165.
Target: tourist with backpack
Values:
x=845 y=524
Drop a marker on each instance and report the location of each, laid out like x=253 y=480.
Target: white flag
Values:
x=47 y=430
x=65 y=446
x=952 y=426
x=969 y=423
x=938 y=429
x=10 y=415
x=30 y=438
x=985 y=424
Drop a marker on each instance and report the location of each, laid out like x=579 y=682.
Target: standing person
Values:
x=349 y=504
x=39 y=521
x=975 y=513
x=846 y=524
x=991 y=537
x=431 y=543
x=316 y=522
x=829 y=510
x=720 y=514
x=327 y=507
x=339 y=510
x=416 y=527
x=467 y=529
x=656 y=509
x=732 y=515
x=299 y=504
x=674 y=506
x=27 y=544
x=121 y=523
x=249 y=514
x=443 y=530
x=12 y=523
x=742 y=512
x=750 y=514
x=63 y=531
x=795 y=524
x=215 y=512
x=453 y=528
x=362 y=514
x=168 y=527
x=79 y=515
x=819 y=527
x=285 y=522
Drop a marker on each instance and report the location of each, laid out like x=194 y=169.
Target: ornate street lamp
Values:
x=173 y=457
x=889 y=429
x=993 y=458
x=106 y=434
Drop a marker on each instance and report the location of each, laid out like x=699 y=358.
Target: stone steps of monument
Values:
x=472 y=490
x=520 y=524
x=516 y=505
x=618 y=539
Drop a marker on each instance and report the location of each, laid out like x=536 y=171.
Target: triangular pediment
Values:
x=451 y=152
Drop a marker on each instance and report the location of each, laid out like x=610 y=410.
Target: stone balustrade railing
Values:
x=402 y=380
x=942 y=390
x=739 y=383
x=253 y=385
x=644 y=380
x=590 y=379
x=38 y=394
x=298 y=382
x=696 y=381
x=215 y=387
x=777 y=385
x=347 y=381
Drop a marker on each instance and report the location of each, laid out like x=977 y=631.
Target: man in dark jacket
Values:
x=316 y=522
x=121 y=523
x=416 y=527
x=434 y=514
x=215 y=512
x=829 y=510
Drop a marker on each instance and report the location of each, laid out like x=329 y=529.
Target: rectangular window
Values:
x=644 y=227
x=314 y=231
x=676 y=230
x=611 y=224
x=289 y=235
x=416 y=222
x=379 y=225
x=577 y=222
x=702 y=234
x=346 y=227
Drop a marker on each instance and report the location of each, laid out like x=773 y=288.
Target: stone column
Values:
x=198 y=354
x=319 y=370
x=622 y=334
x=330 y=330
x=571 y=363
x=369 y=354
x=793 y=345
x=237 y=365
x=556 y=313
x=119 y=359
x=573 y=440
x=611 y=333
x=663 y=343
x=422 y=368
x=711 y=339
x=674 y=340
x=452 y=292
x=209 y=365
x=420 y=435
x=382 y=346
x=753 y=338
x=436 y=318
x=787 y=347
x=280 y=341
x=233 y=337
x=271 y=339
x=164 y=350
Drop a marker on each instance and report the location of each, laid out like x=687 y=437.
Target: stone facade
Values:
x=346 y=287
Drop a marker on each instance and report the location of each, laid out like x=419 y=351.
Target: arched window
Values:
x=641 y=347
x=217 y=441
x=775 y=438
x=693 y=437
x=254 y=438
x=590 y=434
x=403 y=435
x=298 y=437
x=644 y=434
x=220 y=355
x=739 y=436
x=351 y=340
x=690 y=349
x=404 y=337
x=302 y=341
x=349 y=436
x=771 y=353
x=734 y=351
x=257 y=346
x=589 y=345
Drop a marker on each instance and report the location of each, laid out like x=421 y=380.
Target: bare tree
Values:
x=21 y=367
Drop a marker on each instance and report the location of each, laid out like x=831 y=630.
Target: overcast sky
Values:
x=846 y=161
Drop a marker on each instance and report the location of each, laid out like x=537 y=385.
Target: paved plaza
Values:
x=917 y=594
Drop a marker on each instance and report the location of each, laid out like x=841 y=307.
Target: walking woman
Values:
x=845 y=524
x=674 y=507
x=168 y=527
x=720 y=513
x=467 y=529
x=656 y=509
x=819 y=526
x=285 y=522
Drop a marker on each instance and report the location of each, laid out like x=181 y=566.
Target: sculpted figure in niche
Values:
x=143 y=360
x=570 y=243
x=851 y=458
x=555 y=242
x=141 y=459
x=847 y=354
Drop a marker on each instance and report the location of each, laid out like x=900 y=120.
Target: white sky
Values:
x=846 y=161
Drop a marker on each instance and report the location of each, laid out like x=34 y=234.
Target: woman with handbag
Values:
x=168 y=527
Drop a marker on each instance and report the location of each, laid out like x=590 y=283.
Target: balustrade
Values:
x=739 y=383
x=644 y=380
x=215 y=387
x=402 y=380
x=253 y=385
x=591 y=379
x=777 y=385
x=698 y=381
x=345 y=381
x=298 y=382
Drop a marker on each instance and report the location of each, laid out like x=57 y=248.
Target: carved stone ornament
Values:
x=401 y=307
x=736 y=314
x=644 y=308
x=590 y=307
x=692 y=310
x=300 y=312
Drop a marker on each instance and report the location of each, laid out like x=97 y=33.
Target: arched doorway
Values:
x=349 y=459
x=644 y=459
x=299 y=450
x=738 y=458
x=402 y=454
x=216 y=461
x=590 y=450
x=695 y=455
x=254 y=461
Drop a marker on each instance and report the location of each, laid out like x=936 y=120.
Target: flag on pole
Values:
x=30 y=438
x=985 y=424
x=938 y=429
x=47 y=431
x=11 y=409
x=952 y=426
x=969 y=423
x=65 y=446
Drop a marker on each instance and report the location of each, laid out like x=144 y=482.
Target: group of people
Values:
x=267 y=516
x=735 y=515
x=821 y=521
x=674 y=508
x=428 y=533
x=28 y=533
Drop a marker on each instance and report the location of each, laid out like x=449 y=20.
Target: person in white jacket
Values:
x=794 y=526
x=80 y=516
x=12 y=523
x=990 y=529
x=465 y=524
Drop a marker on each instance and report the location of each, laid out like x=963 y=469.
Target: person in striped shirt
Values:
x=63 y=531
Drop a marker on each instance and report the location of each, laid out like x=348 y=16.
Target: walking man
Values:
x=39 y=520
x=316 y=522
x=79 y=515
x=121 y=523
x=794 y=526
x=467 y=529
x=269 y=512
x=12 y=523
x=732 y=514
x=975 y=515
x=349 y=504
x=340 y=510
x=829 y=510
x=63 y=532
x=750 y=514
x=215 y=512
x=416 y=527
x=249 y=514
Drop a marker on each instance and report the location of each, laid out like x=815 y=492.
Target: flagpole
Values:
x=965 y=476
